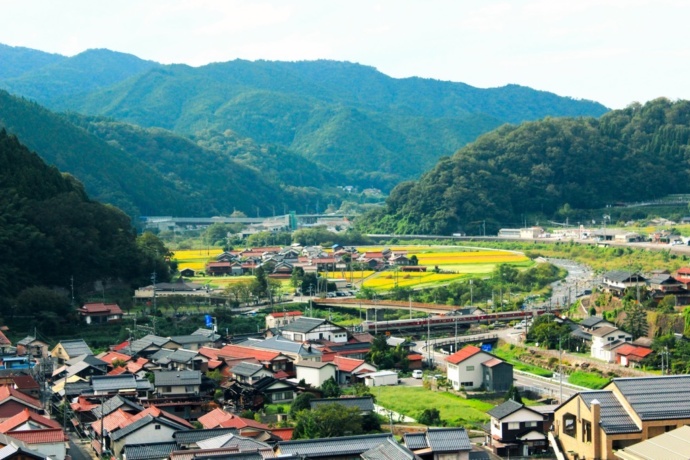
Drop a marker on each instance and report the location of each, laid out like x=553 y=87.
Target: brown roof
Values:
x=48 y=436
x=100 y=309
x=7 y=392
x=492 y=362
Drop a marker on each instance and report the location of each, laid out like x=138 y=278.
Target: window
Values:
x=586 y=431
x=513 y=425
x=531 y=424
x=466 y=384
x=469 y=368
x=157 y=427
x=569 y=424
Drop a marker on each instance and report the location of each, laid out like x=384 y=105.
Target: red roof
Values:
x=100 y=309
x=7 y=392
x=4 y=340
x=117 y=371
x=24 y=382
x=23 y=417
x=111 y=356
x=461 y=355
x=347 y=364
x=83 y=405
x=53 y=435
x=238 y=351
x=632 y=350
x=209 y=352
x=120 y=346
x=283 y=433
x=283 y=314
x=414 y=357
x=219 y=418
x=684 y=271
x=136 y=365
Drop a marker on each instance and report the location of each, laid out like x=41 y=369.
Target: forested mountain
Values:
x=373 y=129
x=51 y=231
x=546 y=168
x=150 y=171
x=16 y=61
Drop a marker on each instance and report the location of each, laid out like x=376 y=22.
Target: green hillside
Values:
x=545 y=169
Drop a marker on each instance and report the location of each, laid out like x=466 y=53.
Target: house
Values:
x=296 y=351
x=617 y=281
x=472 y=368
x=339 y=448
x=153 y=427
x=605 y=340
x=114 y=384
x=630 y=355
x=179 y=359
x=306 y=329
x=187 y=272
x=673 y=444
x=14 y=449
x=13 y=402
x=68 y=349
x=275 y=361
x=595 y=424
x=188 y=439
x=100 y=313
x=389 y=449
x=352 y=370
x=218 y=418
x=31 y=346
x=24 y=383
x=278 y=319
x=181 y=383
x=314 y=373
x=516 y=429
x=249 y=372
x=276 y=391
x=439 y=444
x=40 y=433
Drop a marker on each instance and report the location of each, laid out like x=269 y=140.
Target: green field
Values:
x=455 y=410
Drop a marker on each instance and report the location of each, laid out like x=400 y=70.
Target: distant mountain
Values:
x=373 y=129
x=16 y=61
x=546 y=169
x=148 y=171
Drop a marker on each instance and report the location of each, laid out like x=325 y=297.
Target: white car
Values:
x=417 y=374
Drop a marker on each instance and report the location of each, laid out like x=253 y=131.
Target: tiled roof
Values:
x=283 y=314
x=603 y=331
x=303 y=325
x=113 y=382
x=188 y=437
x=114 y=420
x=214 y=418
x=283 y=433
x=191 y=339
x=631 y=350
x=281 y=344
x=238 y=351
x=364 y=403
x=314 y=364
x=448 y=439
x=672 y=445
x=149 y=451
x=114 y=403
x=657 y=398
x=4 y=340
x=415 y=441
x=325 y=447
x=614 y=418
x=170 y=378
x=75 y=347
x=245 y=369
x=23 y=417
x=347 y=364
x=592 y=321
x=461 y=355
x=388 y=450
x=492 y=362
x=136 y=425
x=619 y=275
x=7 y=392
x=24 y=382
x=101 y=308
x=111 y=356
x=48 y=436
x=231 y=440
x=505 y=409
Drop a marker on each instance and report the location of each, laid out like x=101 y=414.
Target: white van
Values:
x=417 y=374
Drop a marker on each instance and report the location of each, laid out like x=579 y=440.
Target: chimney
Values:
x=596 y=430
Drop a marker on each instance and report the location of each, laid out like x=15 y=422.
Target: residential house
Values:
x=14 y=401
x=188 y=439
x=187 y=272
x=274 y=361
x=197 y=339
x=314 y=373
x=150 y=426
x=674 y=444
x=389 y=449
x=630 y=355
x=352 y=370
x=517 y=430
x=68 y=349
x=250 y=373
x=25 y=383
x=296 y=351
x=306 y=329
x=605 y=340
x=179 y=359
x=100 y=313
x=595 y=424
x=218 y=418
x=472 y=368
x=279 y=319
x=125 y=384
x=177 y=383
x=440 y=444
x=31 y=346
x=617 y=281
x=14 y=449
x=339 y=448
x=276 y=391
x=40 y=433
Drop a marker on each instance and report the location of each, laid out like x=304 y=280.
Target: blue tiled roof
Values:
x=149 y=451
x=325 y=447
x=657 y=398
x=388 y=450
x=448 y=439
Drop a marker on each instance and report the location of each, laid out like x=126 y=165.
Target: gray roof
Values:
x=283 y=345
x=439 y=440
x=114 y=403
x=89 y=359
x=581 y=334
x=208 y=333
x=315 y=364
x=26 y=340
x=169 y=378
x=325 y=447
x=142 y=422
x=657 y=398
x=303 y=324
x=190 y=339
x=81 y=366
x=183 y=356
x=75 y=348
x=113 y=382
x=232 y=440
x=505 y=409
x=614 y=418
x=602 y=331
x=591 y=321
x=364 y=403
x=187 y=437
x=246 y=369
x=155 y=451
x=388 y=450
x=673 y=445
x=161 y=354
x=621 y=276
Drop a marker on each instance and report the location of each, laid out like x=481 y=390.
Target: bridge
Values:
x=383 y=303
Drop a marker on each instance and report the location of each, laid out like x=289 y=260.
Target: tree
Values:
x=328 y=421
x=414 y=260
x=430 y=417
x=635 y=322
x=513 y=394
x=331 y=389
x=300 y=403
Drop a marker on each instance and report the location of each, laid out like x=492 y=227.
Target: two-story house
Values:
x=177 y=383
x=306 y=329
x=516 y=429
x=472 y=368
x=605 y=340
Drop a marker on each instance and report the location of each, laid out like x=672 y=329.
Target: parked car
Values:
x=417 y=374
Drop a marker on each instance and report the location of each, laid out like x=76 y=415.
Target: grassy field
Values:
x=588 y=380
x=514 y=355
x=455 y=410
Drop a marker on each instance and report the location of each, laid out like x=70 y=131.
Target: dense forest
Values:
x=546 y=169
x=52 y=236
x=373 y=130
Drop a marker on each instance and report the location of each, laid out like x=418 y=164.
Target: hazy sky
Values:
x=611 y=51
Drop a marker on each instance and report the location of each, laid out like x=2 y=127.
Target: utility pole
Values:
x=153 y=278
x=428 y=334
x=560 y=370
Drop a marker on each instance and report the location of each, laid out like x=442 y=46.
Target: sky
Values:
x=611 y=51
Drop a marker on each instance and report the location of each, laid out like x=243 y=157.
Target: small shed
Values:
x=381 y=378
